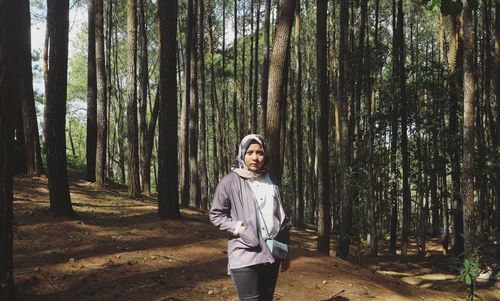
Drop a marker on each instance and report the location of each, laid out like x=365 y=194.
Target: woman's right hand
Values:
x=241 y=229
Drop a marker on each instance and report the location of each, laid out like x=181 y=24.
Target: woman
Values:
x=247 y=205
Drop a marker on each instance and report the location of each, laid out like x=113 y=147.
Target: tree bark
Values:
x=134 y=185
x=265 y=63
x=55 y=108
x=91 y=147
x=345 y=143
x=276 y=74
x=298 y=157
x=404 y=134
x=202 y=111
x=323 y=241
x=168 y=171
x=102 y=106
x=469 y=214
x=143 y=100
x=194 y=196
x=10 y=95
x=497 y=134
x=34 y=164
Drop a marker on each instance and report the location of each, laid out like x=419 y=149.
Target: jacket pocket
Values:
x=249 y=237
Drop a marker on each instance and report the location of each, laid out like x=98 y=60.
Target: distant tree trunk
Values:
x=455 y=61
x=109 y=86
x=185 y=113
x=55 y=108
x=276 y=74
x=394 y=136
x=203 y=123
x=235 y=74
x=256 y=71
x=194 y=196
x=323 y=241
x=370 y=106
x=469 y=214
x=168 y=170
x=91 y=95
x=134 y=185
x=497 y=134
x=404 y=135
x=150 y=135
x=10 y=95
x=265 y=64
x=119 y=116
x=34 y=164
x=102 y=106
x=298 y=157
x=217 y=127
x=345 y=144
x=143 y=100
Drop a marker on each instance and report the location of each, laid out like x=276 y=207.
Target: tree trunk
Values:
x=10 y=95
x=404 y=135
x=469 y=214
x=109 y=86
x=203 y=124
x=276 y=75
x=345 y=144
x=185 y=115
x=102 y=106
x=256 y=71
x=235 y=74
x=55 y=108
x=91 y=95
x=34 y=165
x=298 y=156
x=497 y=134
x=265 y=64
x=394 y=136
x=194 y=196
x=323 y=241
x=134 y=185
x=168 y=171
x=455 y=59
x=143 y=100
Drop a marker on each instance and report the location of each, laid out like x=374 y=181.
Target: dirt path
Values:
x=121 y=250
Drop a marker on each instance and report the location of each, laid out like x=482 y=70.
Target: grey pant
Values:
x=256 y=282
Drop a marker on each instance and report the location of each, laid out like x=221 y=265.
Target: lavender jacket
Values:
x=233 y=201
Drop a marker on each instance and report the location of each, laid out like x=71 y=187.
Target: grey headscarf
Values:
x=239 y=164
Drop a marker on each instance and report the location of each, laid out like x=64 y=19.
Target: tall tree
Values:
x=202 y=109
x=168 y=171
x=235 y=74
x=277 y=71
x=256 y=70
x=184 y=131
x=299 y=187
x=134 y=185
x=91 y=95
x=10 y=95
x=55 y=107
x=265 y=62
x=194 y=200
x=34 y=165
x=102 y=104
x=404 y=134
x=323 y=241
x=345 y=143
x=143 y=99
x=455 y=62
x=468 y=131
x=497 y=134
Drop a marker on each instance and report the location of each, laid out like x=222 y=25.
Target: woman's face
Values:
x=254 y=157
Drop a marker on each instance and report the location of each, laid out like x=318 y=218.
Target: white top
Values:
x=265 y=195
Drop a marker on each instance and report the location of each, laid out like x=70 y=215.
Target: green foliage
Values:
x=469 y=273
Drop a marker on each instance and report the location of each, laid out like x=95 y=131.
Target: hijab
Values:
x=239 y=164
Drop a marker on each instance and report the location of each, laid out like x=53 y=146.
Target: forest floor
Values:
x=119 y=249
